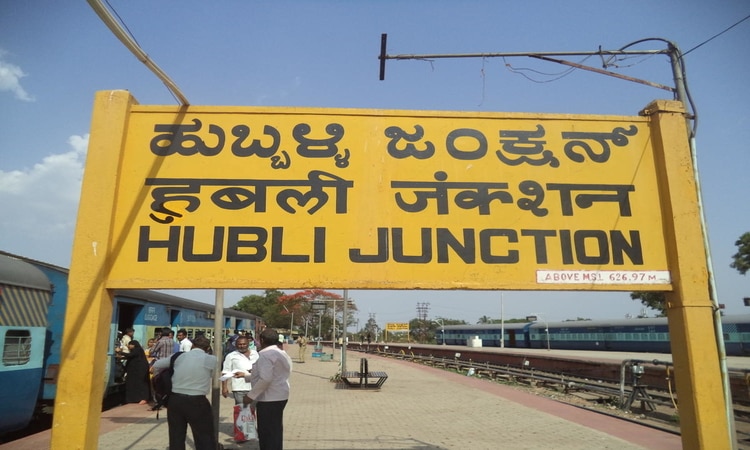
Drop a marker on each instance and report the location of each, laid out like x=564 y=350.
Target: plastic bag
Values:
x=244 y=424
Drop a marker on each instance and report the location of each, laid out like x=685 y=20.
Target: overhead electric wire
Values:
x=557 y=76
x=682 y=93
x=136 y=49
x=717 y=35
x=680 y=71
x=122 y=22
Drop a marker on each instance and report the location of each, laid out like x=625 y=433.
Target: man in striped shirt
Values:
x=164 y=347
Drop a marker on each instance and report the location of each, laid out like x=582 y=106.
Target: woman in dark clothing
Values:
x=137 y=386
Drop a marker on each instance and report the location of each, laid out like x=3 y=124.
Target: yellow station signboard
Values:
x=397 y=326
x=329 y=198
x=222 y=197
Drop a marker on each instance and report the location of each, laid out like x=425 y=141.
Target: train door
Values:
x=125 y=315
x=608 y=336
x=527 y=335
x=512 y=338
x=173 y=314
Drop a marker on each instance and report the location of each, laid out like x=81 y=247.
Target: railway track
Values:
x=634 y=390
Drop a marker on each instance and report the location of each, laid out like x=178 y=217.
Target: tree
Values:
x=421 y=331
x=523 y=320
x=371 y=330
x=265 y=306
x=742 y=257
x=657 y=301
x=653 y=300
x=425 y=331
x=297 y=307
x=484 y=320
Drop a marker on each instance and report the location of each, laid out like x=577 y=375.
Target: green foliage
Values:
x=451 y=321
x=488 y=320
x=265 y=306
x=653 y=300
x=371 y=329
x=424 y=331
x=741 y=262
x=742 y=257
x=280 y=310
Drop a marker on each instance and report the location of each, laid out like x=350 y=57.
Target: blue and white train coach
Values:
x=649 y=335
x=25 y=293
x=33 y=300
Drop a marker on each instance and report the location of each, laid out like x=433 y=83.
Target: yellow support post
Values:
x=88 y=313
x=703 y=418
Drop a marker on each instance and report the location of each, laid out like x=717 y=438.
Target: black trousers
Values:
x=271 y=424
x=193 y=410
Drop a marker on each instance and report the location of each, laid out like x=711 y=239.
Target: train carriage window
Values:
x=17 y=348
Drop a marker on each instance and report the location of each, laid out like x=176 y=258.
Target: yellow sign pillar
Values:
x=168 y=202
x=703 y=421
x=83 y=358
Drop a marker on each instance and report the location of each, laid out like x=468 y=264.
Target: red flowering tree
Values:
x=298 y=308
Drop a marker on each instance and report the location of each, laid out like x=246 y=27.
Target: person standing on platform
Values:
x=149 y=350
x=229 y=346
x=249 y=335
x=185 y=344
x=270 y=390
x=302 y=342
x=137 y=383
x=125 y=340
x=241 y=359
x=188 y=405
x=175 y=344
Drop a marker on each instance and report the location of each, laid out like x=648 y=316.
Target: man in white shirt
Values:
x=242 y=359
x=270 y=390
x=126 y=338
x=185 y=344
x=188 y=405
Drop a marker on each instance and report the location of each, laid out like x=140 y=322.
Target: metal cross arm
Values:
x=546 y=56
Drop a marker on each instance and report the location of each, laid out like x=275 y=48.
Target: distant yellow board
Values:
x=238 y=197
x=395 y=326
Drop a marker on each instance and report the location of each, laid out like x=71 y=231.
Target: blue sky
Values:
x=55 y=55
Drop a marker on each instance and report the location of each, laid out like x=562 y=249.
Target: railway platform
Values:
x=418 y=408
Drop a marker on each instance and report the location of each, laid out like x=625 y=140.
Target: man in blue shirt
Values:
x=188 y=405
